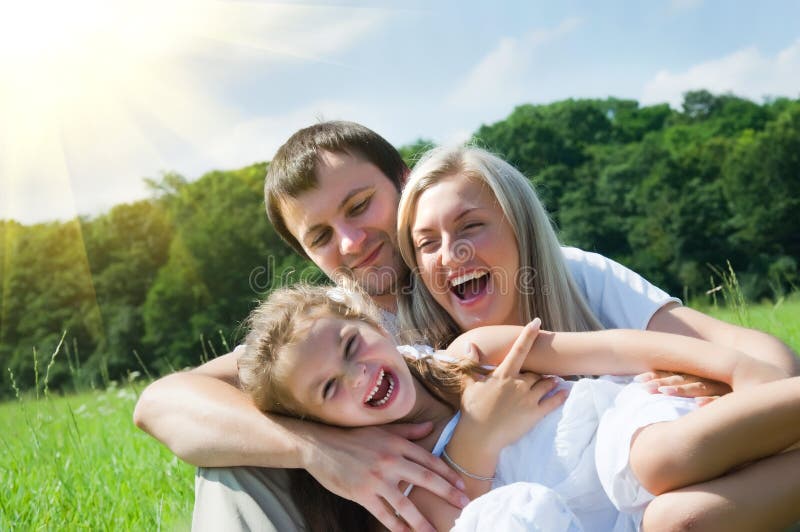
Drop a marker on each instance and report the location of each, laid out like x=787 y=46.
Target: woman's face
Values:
x=467 y=253
x=346 y=373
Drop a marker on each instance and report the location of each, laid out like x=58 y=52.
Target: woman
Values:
x=482 y=252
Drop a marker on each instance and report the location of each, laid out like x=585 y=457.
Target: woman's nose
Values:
x=456 y=252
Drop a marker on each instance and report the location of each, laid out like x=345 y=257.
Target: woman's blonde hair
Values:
x=285 y=318
x=546 y=285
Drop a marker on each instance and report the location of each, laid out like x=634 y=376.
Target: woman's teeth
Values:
x=461 y=279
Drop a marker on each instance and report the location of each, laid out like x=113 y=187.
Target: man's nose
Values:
x=351 y=239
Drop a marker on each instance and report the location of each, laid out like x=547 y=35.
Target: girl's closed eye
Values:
x=350 y=348
x=329 y=389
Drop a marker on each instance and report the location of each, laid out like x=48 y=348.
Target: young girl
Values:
x=319 y=353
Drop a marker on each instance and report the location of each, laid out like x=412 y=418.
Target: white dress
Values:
x=577 y=459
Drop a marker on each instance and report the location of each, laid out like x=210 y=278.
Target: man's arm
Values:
x=206 y=420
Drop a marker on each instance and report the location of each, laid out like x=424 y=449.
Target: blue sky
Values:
x=112 y=91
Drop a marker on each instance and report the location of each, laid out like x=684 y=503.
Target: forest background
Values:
x=164 y=283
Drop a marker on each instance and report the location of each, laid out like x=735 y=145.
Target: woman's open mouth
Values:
x=383 y=390
x=470 y=286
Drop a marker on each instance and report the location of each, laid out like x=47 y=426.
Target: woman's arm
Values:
x=676 y=319
x=621 y=352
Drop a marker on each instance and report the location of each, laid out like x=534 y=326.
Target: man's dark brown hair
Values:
x=293 y=169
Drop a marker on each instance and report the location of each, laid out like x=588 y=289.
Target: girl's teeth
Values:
x=375 y=389
x=388 y=393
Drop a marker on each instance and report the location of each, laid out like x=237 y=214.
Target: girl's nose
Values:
x=357 y=375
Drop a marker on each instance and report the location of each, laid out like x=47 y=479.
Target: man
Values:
x=332 y=192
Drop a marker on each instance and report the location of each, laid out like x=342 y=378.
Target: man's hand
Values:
x=367 y=465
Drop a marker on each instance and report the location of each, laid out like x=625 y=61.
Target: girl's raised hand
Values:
x=507 y=404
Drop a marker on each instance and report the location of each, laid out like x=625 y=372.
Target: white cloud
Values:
x=745 y=73
x=502 y=75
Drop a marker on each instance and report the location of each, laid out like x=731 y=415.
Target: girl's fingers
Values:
x=530 y=378
x=543 y=386
x=550 y=403
x=519 y=351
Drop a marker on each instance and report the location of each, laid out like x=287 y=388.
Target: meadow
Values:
x=77 y=462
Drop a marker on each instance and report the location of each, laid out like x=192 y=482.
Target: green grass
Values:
x=781 y=319
x=79 y=463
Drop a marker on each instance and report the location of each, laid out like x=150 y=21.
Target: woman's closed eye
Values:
x=471 y=225
x=426 y=245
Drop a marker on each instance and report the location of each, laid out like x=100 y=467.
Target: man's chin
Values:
x=379 y=289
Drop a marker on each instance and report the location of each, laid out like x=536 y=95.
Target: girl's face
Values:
x=467 y=253
x=346 y=373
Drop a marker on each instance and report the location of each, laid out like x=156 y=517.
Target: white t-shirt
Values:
x=619 y=297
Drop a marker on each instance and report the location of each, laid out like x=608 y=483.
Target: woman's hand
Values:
x=367 y=465
x=499 y=409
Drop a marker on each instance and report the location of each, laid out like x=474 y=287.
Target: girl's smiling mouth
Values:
x=383 y=389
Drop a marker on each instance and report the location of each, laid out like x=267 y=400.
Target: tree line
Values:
x=164 y=283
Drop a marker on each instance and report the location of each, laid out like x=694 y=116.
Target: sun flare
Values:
x=96 y=94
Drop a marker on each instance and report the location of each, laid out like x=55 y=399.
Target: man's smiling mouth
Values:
x=369 y=259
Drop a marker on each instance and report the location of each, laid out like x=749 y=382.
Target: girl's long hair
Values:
x=283 y=319
x=547 y=288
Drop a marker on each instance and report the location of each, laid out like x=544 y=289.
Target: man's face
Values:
x=346 y=224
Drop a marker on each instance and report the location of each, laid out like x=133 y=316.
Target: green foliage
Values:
x=412 y=152
x=668 y=193
x=162 y=283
